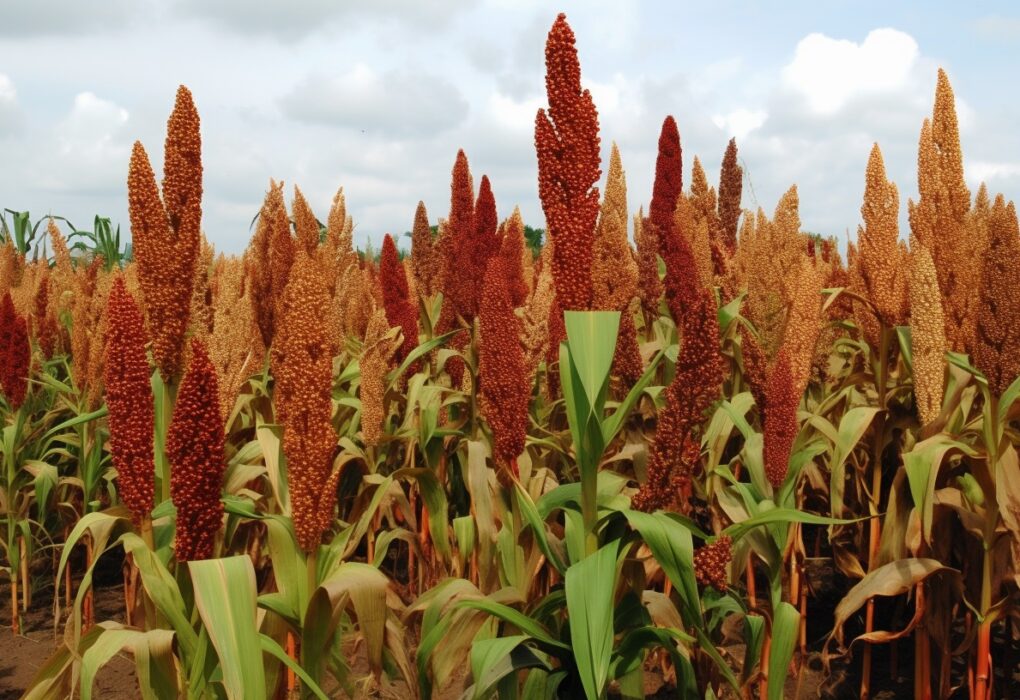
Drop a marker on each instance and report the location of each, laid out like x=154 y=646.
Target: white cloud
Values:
x=392 y=103
x=89 y=149
x=740 y=122
x=829 y=73
x=986 y=171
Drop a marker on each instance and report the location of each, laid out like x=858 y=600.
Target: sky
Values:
x=378 y=97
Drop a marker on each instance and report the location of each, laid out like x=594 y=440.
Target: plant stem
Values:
x=922 y=654
x=26 y=588
x=983 y=661
x=875 y=530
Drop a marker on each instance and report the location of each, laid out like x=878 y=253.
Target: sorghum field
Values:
x=680 y=449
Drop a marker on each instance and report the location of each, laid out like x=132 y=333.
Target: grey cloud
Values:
x=300 y=18
x=395 y=104
x=23 y=18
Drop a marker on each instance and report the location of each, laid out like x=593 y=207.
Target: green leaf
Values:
x=270 y=647
x=783 y=515
x=519 y=620
x=226 y=600
x=922 y=465
x=785 y=630
x=852 y=427
x=492 y=660
x=591 y=336
x=364 y=587
x=435 y=498
x=673 y=548
x=163 y=591
x=537 y=524
x=590 y=585
x=612 y=425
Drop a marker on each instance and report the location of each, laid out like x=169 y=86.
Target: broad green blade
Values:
x=226 y=600
x=591 y=336
x=590 y=585
x=785 y=628
x=673 y=548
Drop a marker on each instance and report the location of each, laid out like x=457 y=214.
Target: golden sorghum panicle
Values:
x=676 y=450
x=306 y=226
x=694 y=228
x=82 y=322
x=505 y=383
x=514 y=253
x=400 y=311
x=706 y=223
x=927 y=334
x=302 y=367
x=201 y=296
x=425 y=260
x=756 y=367
x=535 y=331
x=166 y=232
x=939 y=219
x=567 y=144
x=97 y=341
x=130 y=402
x=997 y=347
x=615 y=271
x=712 y=563
x=270 y=257
x=275 y=267
x=337 y=249
x=195 y=449
x=946 y=134
x=768 y=262
x=11 y=264
x=803 y=324
x=235 y=346
x=557 y=334
x=783 y=394
x=355 y=294
x=879 y=262
x=15 y=353
x=731 y=183
x=376 y=352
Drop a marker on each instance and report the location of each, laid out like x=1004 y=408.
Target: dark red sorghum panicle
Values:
x=505 y=384
x=676 y=450
x=126 y=375
x=731 y=183
x=400 y=310
x=512 y=251
x=195 y=447
x=458 y=275
x=567 y=143
x=15 y=353
x=712 y=562
x=682 y=283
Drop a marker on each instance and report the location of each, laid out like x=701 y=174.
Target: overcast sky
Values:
x=378 y=96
